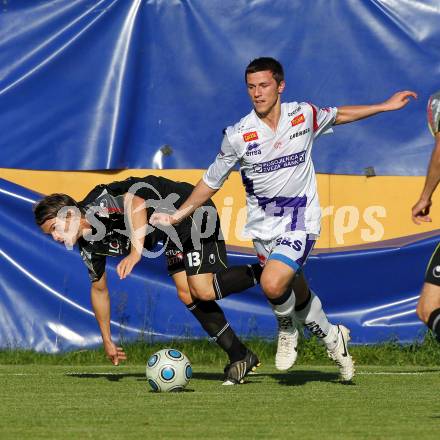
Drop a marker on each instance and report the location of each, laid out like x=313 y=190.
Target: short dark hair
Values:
x=48 y=207
x=266 y=63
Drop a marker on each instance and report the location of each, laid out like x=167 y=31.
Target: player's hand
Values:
x=126 y=265
x=399 y=100
x=420 y=211
x=114 y=353
x=161 y=218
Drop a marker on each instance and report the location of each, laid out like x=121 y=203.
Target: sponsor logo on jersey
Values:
x=103 y=209
x=297 y=120
x=173 y=253
x=251 y=136
x=253 y=146
x=109 y=205
x=294 y=111
x=436 y=271
x=211 y=258
x=277 y=145
x=292 y=160
x=299 y=133
x=253 y=149
x=174 y=256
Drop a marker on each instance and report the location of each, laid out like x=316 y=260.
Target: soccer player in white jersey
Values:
x=428 y=306
x=272 y=145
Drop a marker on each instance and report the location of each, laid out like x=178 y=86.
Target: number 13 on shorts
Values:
x=193 y=259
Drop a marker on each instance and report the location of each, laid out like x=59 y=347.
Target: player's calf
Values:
x=434 y=323
x=428 y=307
x=235 y=279
x=276 y=284
x=212 y=319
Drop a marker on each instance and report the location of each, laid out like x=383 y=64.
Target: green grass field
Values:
x=73 y=401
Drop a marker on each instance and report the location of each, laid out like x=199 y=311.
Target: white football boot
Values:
x=287 y=350
x=341 y=356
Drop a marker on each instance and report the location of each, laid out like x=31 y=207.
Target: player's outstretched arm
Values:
x=137 y=217
x=101 y=306
x=420 y=211
x=355 y=112
x=200 y=194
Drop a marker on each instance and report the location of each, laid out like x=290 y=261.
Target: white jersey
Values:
x=276 y=168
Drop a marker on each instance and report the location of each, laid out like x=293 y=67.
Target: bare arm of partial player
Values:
x=101 y=306
x=212 y=181
x=200 y=194
x=137 y=210
x=355 y=112
x=420 y=211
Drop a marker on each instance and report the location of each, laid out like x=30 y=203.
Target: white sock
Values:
x=286 y=308
x=312 y=316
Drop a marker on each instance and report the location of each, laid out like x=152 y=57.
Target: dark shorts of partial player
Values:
x=210 y=257
x=432 y=274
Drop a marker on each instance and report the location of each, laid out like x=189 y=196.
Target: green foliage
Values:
x=311 y=351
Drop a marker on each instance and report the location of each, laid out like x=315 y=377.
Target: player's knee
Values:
x=203 y=294
x=272 y=286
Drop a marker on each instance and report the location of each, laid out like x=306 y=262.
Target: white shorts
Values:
x=291 y=248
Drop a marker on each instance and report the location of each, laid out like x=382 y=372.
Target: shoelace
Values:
x=285 y=322
x=284 y=343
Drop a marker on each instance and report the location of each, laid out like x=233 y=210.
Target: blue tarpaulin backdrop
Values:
x=45 y=304
x=106 y=84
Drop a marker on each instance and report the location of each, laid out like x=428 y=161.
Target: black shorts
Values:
x=432 y=274
x=208 y=254
x=210 y=258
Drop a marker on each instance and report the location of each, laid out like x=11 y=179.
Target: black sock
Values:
x=303 y=305
x=235 y=279
x=213 y=321
x=281 y=299
x=434 y=323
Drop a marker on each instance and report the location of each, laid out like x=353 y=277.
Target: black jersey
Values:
x=106 y=204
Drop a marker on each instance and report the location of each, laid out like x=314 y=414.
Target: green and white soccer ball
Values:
x=168 y=370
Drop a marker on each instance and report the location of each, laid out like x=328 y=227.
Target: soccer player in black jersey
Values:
x=113 y=221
